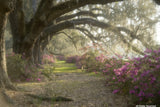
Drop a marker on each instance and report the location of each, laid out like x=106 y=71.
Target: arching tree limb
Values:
x=81 y=13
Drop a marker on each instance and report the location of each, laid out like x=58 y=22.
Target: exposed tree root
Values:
x=5 y=97
x=43 y=98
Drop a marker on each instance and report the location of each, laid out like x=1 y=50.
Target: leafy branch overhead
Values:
x=115 y=17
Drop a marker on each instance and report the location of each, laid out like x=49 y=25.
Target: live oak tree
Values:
x=25 y=34
x=141 y=28
x=50 y=17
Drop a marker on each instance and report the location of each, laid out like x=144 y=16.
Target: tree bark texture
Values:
x=4 y=11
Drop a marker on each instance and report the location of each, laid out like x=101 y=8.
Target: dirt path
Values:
x=3 y=100
x=87 y=90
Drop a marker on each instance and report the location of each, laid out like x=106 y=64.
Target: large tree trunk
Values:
x=20 y=31
x=4 y=80
x=5 y=7
x=18 y=28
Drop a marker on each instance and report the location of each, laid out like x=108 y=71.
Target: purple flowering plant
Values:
x=138 y=78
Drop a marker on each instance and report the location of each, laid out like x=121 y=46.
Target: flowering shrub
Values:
x=20 y=70
x=91 y=62
x=48 y=59
x=72 y=59
x=61 y=57
x=138 y=78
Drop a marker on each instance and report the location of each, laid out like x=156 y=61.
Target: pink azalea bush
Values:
x=92 y=61
x=48 y=59
x=72 y=59
x=137 y=78
x=61 y=57
x=89 y=62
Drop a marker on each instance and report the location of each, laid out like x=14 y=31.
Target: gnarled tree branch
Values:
x=81 y=13
x=68 y=6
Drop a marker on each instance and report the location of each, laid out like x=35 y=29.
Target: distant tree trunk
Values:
x=37 y=52
x=40 y=55
x=37 y=55
x=39 y=48
x=4 y=80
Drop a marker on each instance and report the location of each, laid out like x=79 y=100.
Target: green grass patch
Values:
x=63 y=67
x=67 y=70
x=60 y=62
x=64 y=64
x=98 y=74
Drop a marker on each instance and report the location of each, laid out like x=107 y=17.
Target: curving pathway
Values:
x=86 y=89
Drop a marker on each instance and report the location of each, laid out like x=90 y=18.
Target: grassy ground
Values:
x=86 y=90
x=63 y=67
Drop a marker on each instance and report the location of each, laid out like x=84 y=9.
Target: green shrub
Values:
x=20 y=70
x=90 y=63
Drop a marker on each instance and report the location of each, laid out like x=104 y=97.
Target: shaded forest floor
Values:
x=85 y=89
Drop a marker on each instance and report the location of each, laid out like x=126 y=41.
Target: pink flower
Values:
x=153 y=78
x=127 y=63
x=117 y=73
x=149 y=95
x=135 y=87
x=145 y=56
x=38 y=79
x=158 y=66
x=156 y=51
x=132 y=91
x=115 y=91
x=107 y=65
x=135 y=79
x=148 y=51
x=141 y=93
x=145 y=73
x=28 y=79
